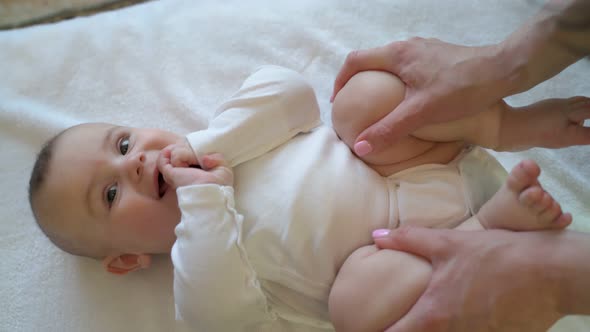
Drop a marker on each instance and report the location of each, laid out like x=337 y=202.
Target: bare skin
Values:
x=379 y=303
x=524 y=204
x=447 y=82
x=525 y=292
x=520 y=274
x=369 y=96
x=363 y=297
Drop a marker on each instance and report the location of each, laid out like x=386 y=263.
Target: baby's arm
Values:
x=374 y=288
x=215 y=286
x=273 y=105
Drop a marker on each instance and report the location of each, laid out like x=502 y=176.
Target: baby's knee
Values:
x=366 y=98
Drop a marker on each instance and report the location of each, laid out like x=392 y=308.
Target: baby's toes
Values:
x=523 y=175
x=551 y=214
x=562 y=221
x=544 y=203
x=534 y=198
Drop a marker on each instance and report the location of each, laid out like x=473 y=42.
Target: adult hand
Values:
x=491 y=280
x=443 y=82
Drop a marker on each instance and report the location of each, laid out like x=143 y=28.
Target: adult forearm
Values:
x=551 y=41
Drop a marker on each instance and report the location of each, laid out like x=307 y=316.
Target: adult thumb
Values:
x=400 y=122
x=413 y=321
x=423 y=242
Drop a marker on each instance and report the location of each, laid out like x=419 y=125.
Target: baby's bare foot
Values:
x=522 y=204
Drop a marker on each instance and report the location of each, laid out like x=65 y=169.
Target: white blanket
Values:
x=169 y=64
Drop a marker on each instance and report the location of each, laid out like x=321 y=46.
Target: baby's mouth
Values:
x=162 y=185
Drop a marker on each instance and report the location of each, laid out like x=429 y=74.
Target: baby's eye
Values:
x=124 y=145
x=111 y=194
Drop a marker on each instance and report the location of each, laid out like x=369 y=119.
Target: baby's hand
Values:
x=179 y=167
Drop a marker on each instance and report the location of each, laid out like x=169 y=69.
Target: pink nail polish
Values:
x=362 y=148
x=378 y=233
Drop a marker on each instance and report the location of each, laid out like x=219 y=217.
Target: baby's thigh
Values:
x=375 y=288
x=365 y=99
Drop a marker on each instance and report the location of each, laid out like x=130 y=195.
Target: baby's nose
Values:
x=135 y=164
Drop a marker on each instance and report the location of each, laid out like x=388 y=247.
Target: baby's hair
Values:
x=36 y=182
x=40 y=170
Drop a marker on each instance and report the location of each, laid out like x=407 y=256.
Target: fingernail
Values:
x=332 y=99
x=362 y=148
x=378 y=233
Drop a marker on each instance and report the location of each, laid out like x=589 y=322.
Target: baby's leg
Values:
x=369 y=96
x=521 y=204
x=364 y=100
x=375 y=288
x=550 y=123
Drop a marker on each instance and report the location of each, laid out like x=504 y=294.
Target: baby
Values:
x=268 y=215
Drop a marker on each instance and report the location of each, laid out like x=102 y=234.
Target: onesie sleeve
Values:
x=215 y=286
x=273 y=105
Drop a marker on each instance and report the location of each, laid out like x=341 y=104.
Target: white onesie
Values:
x=262 y=255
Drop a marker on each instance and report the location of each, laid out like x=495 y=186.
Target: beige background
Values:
x=20 y=13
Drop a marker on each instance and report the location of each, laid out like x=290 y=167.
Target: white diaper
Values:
x=443 y=196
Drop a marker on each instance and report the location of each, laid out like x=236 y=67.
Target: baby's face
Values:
x=104 y=184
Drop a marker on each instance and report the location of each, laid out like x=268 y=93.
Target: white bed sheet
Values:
x=168 y=64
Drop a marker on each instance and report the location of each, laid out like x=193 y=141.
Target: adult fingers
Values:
x=379 y=58
x=424 y=242
x=579 y=109
x=578 y=135
x=405 y=119
x=419 y=319
x=409 y=323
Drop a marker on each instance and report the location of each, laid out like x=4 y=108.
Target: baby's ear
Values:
x=126 y=263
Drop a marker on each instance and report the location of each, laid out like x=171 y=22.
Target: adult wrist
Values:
x=564 y=267
x=509 y=65
x=572 y=252
x=539 y=50
x=490 y=74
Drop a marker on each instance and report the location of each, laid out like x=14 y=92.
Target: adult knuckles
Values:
x=353 y=59
x=401 y=51
x=415 y=40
